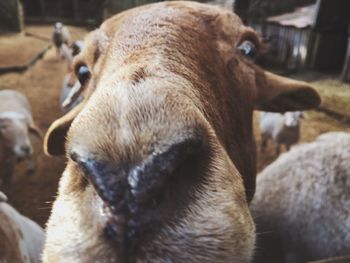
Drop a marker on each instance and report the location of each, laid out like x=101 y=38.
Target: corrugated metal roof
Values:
x=300 y=18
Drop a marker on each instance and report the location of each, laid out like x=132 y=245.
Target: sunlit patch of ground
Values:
x=335 y=95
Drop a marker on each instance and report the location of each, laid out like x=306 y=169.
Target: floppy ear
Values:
x=33 y=129
x=55 y=137
x=280 y=94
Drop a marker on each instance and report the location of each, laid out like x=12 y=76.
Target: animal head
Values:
x=292 y=118
x=14 y=134
x=58 y=26
x=161 y=156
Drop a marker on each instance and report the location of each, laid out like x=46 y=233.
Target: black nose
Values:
x=140 y=180
x=129 y=190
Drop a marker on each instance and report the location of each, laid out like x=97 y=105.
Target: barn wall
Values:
x=287 y=47
x=113 y=7
x=331 y=35
x=116 y=6
x=11 y=15
x=66 y=11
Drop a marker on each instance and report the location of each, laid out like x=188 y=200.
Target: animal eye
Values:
x=83 y=74
x=248 y=49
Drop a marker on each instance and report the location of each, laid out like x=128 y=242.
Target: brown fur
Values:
x=161 y=74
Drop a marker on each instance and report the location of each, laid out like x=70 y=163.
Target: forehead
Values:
x=176 y=13
x=11 y=119
x=163 y=24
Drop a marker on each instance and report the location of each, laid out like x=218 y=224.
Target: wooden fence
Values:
x=287 y=46
x=76 y=11
x=67 y=11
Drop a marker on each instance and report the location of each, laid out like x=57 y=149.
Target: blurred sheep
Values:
x=16 y=123
x=69 y=52
x=71 y=85
x=281 y=128
x=21 y=239
x=302 y=203
x=60 y=36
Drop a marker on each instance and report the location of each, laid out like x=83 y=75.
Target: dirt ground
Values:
x=13 y=52
x=33 y=195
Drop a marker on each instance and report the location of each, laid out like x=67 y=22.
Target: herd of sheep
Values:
x=161 y=158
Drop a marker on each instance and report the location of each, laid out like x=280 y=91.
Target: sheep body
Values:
x=21 y=239
x=70 y=83
x=302 y=202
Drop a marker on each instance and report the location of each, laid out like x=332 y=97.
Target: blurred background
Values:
x=305 y=39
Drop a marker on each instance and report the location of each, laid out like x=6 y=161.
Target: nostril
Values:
x=121 y=185
x=145 y=178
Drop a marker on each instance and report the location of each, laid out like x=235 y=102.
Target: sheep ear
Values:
x=55 y=137
x=280 y=94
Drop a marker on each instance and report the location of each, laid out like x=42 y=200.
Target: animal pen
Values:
x=288 y=37
x=310 y=37
x=306 y=38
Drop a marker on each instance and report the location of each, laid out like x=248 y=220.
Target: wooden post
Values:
x=42 y=7
x=345 y=75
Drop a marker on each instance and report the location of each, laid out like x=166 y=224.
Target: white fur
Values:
x=302 y=203
x=31 y=245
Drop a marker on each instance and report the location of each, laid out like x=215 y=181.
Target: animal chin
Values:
x=124 y=232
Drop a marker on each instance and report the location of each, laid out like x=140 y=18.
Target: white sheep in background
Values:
x=67 y=54
x=21 y=239
x=302 y=203
x=16 y=122
x=60 y=35
x=71 y=85
x=282 y=129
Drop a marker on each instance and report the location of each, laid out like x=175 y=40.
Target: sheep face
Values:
x=292 y=119
x=14 y=134
x=161 y=156
x=58 y=26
